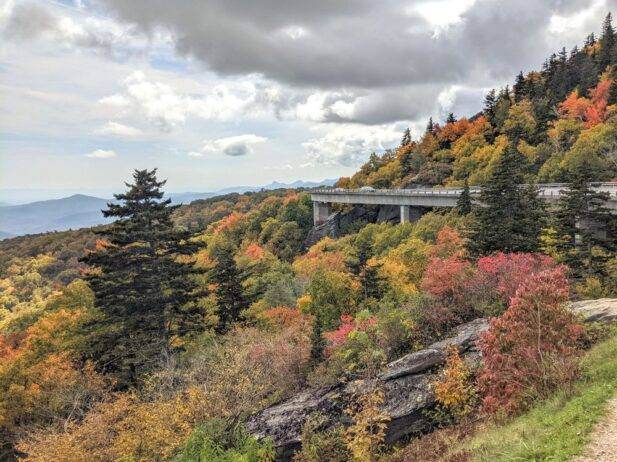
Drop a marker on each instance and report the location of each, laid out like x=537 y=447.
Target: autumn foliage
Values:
x=530 y=350
x=590 y=110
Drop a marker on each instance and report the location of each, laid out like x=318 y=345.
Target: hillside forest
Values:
x=155 y=337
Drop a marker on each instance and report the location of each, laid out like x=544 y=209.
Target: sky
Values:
x=218 y=93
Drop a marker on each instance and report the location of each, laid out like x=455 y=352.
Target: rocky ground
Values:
x=407 y=384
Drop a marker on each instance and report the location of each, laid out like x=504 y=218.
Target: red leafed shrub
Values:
x=348 y=325
x=447 y=277
x=531 y=349
x=505 y=272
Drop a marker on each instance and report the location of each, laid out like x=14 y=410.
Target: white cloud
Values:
x=166 y=107
x=234 y=146
x=102 y=154
x=279 y=167
x=350 y=145
x=119 y=130
x=195 y=154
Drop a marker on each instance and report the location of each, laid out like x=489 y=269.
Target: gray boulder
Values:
x=600 y=310
x=407 y=386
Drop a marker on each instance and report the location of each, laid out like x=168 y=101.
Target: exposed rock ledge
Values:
x=600 y=310
x=406 y=383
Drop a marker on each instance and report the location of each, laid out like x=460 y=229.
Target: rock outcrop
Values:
x=407 y=386
x=338 y=222
x=406 y=382
x=600 y=310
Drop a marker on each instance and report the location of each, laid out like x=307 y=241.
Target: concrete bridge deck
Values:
x=412 y=201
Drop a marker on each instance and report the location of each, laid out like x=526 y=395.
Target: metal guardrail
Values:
x=546 y=189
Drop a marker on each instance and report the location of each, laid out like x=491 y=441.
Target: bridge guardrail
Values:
x=546 y=189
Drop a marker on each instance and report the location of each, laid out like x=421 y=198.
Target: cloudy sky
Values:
x=242 y=92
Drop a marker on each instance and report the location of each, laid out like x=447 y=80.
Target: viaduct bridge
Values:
x=413 y=202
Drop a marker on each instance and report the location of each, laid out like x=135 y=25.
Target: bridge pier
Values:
x=410 y=214
x=321 y=212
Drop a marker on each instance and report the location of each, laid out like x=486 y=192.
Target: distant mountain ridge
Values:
x=76 y=211
x=81 y=211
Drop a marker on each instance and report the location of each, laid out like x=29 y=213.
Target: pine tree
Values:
x=406 y=140
x=372 y=282
x=504 y=221
x=490 y=102
x=363 y=251
x=585 y=226
x=144 y=296
x=451 y=119
x=230 y=299
x=607 y=42
x=463 y=203
x=318 y=343
x=519 y=87
x=430 y=126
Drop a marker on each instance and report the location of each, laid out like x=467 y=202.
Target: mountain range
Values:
x=80 y=210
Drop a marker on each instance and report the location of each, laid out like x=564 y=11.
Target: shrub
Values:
x=320 y=444
x=454 y=391
x=215 y=441
x=398 y=332
x=531 y=349
x=367 y=432
x=504 y=272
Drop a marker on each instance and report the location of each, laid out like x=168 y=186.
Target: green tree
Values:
x=585 y=225
x=318 y=342
x=372 y=282
x=510 y=216
x=406 y=140
x=463 y=203
x=363 y=251
x=607 y=42
x=230 y=299
x=144 y=295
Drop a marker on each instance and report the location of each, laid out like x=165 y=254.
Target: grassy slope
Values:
x=557 y=429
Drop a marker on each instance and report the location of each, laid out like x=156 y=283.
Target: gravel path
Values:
x=603 y=445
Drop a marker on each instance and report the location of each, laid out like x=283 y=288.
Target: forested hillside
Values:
x=157 y=336
x=558 y=117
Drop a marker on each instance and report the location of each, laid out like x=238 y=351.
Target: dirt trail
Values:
x=603 y=445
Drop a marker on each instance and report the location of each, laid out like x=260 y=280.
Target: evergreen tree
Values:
x=144 y=296
x=318 y=343
x=505 y=219
x=519 y=87
x=372 y=282
x=451 y=119
x=406 y=137
x=490 y=102
x=585 y=226
x=230 y=299
x=463 y=203
x=430 y=126
x=607 y=42
x=363 y=251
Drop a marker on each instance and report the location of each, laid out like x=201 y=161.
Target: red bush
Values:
x=531 y=349
x=504 y=272
x=348 y=325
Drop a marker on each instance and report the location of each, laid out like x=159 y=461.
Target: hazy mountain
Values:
x=4 y=235
x=80 y=211
x=277 y=185
x=77 y=211
x=188 y=197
